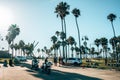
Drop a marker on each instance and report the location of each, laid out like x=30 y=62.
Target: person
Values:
x=34 y=63
x=11 y=63
x=44 y=65
x=5 y=63
x=60 y=61
x=55 y=61
x=46 y=60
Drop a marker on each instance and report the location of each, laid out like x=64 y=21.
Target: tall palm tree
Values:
x=62 y=10
x=21 y=44
x=63 y=36
x=76 y=13
x=13 y=31
x=54 y=40
x=67 y=41
x=71 y=41
x=77 y=50
x=113 y=41
x=72 y=49
x=57 y=33
x=104 y=43
x=112 y=17
x=12 y=47
x=16 y=47
x=58 y=46
x=97 y=43
x=85 y=39
x=9 y=41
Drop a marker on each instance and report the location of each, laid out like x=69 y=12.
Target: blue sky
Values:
x=37 y=20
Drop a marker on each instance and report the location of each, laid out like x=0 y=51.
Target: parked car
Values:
x=29 y=57
x=21 y=58
x=74 y=61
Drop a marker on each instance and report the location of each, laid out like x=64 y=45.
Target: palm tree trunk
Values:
x=114 y=42
x=68 y=52
x=65 y=38
x=60 y=51
x=98 y=49
x=78 y=36
x=113 y=28
x=106 y=58
x=62 y=25
x=12 y=49
x=63 y=53
x=72 y=54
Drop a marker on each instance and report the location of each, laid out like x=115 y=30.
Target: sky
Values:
x=38 y=22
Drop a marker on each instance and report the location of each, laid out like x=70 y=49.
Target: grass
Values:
x=2 y=59
x=95 y=63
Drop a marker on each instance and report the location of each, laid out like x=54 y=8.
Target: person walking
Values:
x=55 y=61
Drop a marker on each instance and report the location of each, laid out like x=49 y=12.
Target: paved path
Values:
x=23 y=72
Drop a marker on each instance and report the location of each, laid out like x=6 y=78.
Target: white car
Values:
x=21 y=58
x=74 y=61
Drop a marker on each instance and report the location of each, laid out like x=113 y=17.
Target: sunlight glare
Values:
x=6 y=18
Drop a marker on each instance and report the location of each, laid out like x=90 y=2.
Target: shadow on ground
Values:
x=60 y=75
x=56 y=74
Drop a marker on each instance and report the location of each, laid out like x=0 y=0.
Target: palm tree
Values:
x=9 y=41
x=71 y=41
x=13 y=31
x=54 y=40
x=16 y=47
x=76 y=13
x=97 y=43
x=21 y=44
x=62 y=10
x=72 y=49
x=42 y=52
x=12 y=47
x=85 y=38
x=58 y=46
x=57 y=33
x=112 y=17
x=67 y=41
x=113 y=41
x=104 y=43
x=38 y=50
x=92 y=51
x=77 y=51
x=63 y=36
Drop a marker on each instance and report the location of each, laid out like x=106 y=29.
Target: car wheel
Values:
x=75 y=64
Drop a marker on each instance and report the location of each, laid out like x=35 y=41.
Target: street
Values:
x=23 y=72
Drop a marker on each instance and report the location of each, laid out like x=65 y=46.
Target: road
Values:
x=23 y=72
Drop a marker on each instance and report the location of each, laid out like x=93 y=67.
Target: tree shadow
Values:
x=60 y=75
x=56 y=74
